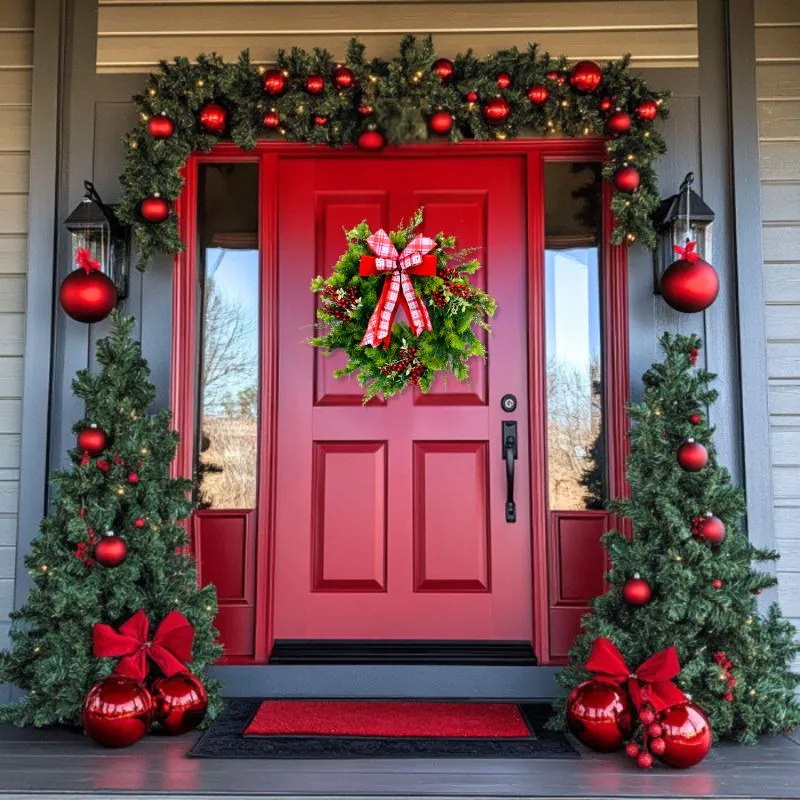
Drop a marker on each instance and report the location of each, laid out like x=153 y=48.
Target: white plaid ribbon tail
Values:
x=397 y=287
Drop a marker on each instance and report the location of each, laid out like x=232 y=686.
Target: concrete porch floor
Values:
x=56 y=763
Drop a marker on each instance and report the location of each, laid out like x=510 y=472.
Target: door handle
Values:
x=509 y=442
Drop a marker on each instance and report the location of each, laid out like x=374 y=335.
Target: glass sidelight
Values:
x=575 y=431
x=226 y=447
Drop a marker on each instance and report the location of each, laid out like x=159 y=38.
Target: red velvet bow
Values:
x=83 y=258
x=651 y=683
x=687 y=253
x=169 y=648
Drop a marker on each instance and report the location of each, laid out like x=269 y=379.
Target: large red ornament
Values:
x=599 y=714
x=213 y=118
x=111 y=551
x=441 y=122
x=271 y=120
x=86 y=294
x=618 y=123
x=708 y=528
x=692 y=456
x=371 y=140
x=585 y=77
x=343 y=78
x=689 y=284
x=154 y=209
x=538 y=94
x=92 y=440
x=444 y=68
x=117 y=711
x=687 y=735
x=626 y=179
x=160 y=127
x=504 y=80
x=647 y=110
x=496 y=111
x=636 y=591
x=315 y=84
x=274 y=82
x=180 y=702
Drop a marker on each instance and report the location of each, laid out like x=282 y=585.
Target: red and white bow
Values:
x=397 y=288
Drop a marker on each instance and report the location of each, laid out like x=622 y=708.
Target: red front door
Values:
x=390 y=519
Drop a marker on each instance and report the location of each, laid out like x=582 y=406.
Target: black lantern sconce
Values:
x=681 y=218
x=95 y=227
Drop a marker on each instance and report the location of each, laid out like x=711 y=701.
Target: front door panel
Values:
x=390 y=518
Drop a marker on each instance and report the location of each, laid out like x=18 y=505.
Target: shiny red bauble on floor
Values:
x=87 y=296
x=599 y=715
x=117 y=711
x=686 y=734
x=180 y=702
x=690 y=286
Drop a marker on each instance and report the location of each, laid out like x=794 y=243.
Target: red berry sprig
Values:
x=338 y=303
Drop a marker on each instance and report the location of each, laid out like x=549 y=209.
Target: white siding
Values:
x=135 y=34
x=777 y=37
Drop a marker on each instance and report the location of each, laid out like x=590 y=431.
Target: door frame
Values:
x=614 y=294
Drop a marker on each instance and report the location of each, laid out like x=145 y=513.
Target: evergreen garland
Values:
x=736 y=663
x=401 y=95
x=454 y=305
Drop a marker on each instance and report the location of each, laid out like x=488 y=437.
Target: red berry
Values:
x=732 y=682
x=103 y=465
x=695 y=419
x=644 y=760
x=654 y=731
x=647 y=717
x=658 y=746
x=632 y=749
x=716 y=583
x=138 y=523
x=133 y=478
x=729 y=697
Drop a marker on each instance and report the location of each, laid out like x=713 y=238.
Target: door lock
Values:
x=508 y=403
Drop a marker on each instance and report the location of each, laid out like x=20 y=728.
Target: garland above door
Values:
x=310 y=97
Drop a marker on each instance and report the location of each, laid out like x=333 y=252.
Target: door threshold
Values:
x=396 y=651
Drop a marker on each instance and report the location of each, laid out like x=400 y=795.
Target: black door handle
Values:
x=510 y=456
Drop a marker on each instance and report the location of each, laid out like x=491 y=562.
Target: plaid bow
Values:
x=398 y=288
x=687 y=253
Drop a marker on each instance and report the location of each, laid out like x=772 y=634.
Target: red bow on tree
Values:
x=169 y=648
x=397 y=288
x=687 y=253
x=83 y=258
x=650 y=683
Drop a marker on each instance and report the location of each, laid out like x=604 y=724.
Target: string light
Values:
x=300 y=109
x=152 y=91
x=679 y=558
x=208 y=608
x=144 y=451
x=44 y=568
x=143 y=116
x=261 y=69
x=37 y=649
x=120 y=491
x=752 y=693
x=565 y=104
x=373 y=78
x=585 y=131
x=501 y=135
x=647 y=134
x=200 y=83
x=134 y=144
x=748 y=621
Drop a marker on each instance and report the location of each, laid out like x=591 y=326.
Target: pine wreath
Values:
x=457 y=310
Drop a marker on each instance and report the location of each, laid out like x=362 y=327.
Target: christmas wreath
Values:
x=379 y=274
x=369 y=102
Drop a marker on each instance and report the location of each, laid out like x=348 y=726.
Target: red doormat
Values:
x=394 y=719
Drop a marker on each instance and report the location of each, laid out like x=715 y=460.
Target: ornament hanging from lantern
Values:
x=86 y=294
x=585 y=77
x=689 y=284
x=599 y=714
x=117 y=711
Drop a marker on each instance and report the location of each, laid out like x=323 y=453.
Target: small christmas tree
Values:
x=687 y=550
x=119 y=482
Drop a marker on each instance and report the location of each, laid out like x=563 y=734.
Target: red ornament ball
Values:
x=271 y=120
x=626 y=179
x=729 y=697
x=690 y=286
x=444 y=68
x=632 y=749
x=709 y=528
x=496 y=111
x=315 y=84
x=274 y=82
x=636 y=591
x=111 y=551
x=555 y=76
x=160 y=127
x=687 y=735
x=117 y=711
x=343 y=78
x=717 y=583
x=213 y=118
x=180 y=702
x=472 y=97
x=441 y=122
x=133 y=478
x=585 y=77
x=657 y=746
x=644 y=761
x=320 y=121
x=87 y=296
x=366 y=111
x=92 y=440
x=538 y=94
x=504 y=80
x=605 y=104
x=138 y=523
x=154 y=209
x=695 y=419
x=371 y=140
x=618 y=123
x=692 y=456
x=647 y=110
x=599 y=715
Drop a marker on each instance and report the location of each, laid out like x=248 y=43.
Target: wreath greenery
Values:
x=400 y=96
x=456 y=307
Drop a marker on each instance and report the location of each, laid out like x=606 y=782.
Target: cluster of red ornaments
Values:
x=118 y=710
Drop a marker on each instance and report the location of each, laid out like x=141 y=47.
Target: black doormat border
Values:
x=225 y=739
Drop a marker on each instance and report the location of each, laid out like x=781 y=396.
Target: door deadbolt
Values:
x=508 y=403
